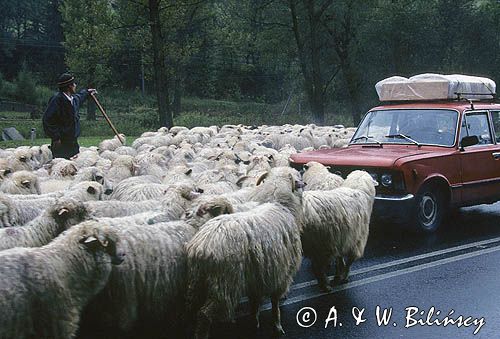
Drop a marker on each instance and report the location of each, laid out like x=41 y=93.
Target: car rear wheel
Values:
x=430 y=209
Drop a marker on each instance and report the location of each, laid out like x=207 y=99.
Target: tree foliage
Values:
x=324 y=54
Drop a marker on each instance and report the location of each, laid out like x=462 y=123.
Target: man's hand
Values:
x=92 y=90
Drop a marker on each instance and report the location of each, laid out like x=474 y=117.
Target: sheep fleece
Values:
x=247 y=253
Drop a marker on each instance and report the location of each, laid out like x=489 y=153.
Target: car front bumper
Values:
x=397 y=208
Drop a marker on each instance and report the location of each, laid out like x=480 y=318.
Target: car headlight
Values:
x=374 y=176
x=386 y=180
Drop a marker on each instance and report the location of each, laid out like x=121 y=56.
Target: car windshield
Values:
x=408 y=126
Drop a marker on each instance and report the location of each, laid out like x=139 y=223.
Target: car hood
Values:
x=369 y=156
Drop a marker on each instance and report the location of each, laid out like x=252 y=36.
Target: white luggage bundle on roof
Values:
x=435 y=87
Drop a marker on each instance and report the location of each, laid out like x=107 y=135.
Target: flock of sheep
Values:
x=178 y=227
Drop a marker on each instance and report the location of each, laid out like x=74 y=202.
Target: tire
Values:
x=430 y=209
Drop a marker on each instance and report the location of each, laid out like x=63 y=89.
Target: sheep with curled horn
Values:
x=254 y=253
x=63 y=214
x=43 y=290
x=336 y=225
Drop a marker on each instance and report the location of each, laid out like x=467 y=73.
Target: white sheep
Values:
x=15 y=211
x=336 y=225
x=112 y=144
x=21 y=182
x=317 y=177
x=254 y=253
x=41 y=230
x=43 y=290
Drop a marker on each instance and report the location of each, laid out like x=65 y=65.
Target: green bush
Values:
x=25 y=87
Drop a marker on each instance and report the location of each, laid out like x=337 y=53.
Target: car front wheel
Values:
x=430 y=209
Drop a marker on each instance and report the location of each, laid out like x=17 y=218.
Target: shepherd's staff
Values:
x=106 y=117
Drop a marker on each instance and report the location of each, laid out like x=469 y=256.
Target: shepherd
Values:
x=61 y=119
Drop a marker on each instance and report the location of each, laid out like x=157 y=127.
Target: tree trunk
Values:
x=160 y=75
x=177 y=107
x=91 y=108
x=310 y=59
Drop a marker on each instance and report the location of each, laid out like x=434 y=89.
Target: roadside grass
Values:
x=132 y=114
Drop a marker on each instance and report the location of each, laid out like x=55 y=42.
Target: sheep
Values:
x=40 y=231
x=61 y=168
x=15 y=211
x=122 y=168
x=43 y=290
x=254 y=253
x=317 y=177
x=85 y=159
x=21 y=160
x=151 y=164
x=21 y=182
x=111 y=144
x=93 y=174
x=174 y=201
x=336 y=225
x=149 y=288
x=122 y=190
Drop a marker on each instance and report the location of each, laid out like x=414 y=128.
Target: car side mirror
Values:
x=469 y=141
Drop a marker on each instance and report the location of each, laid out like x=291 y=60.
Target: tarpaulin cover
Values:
x=435 y=87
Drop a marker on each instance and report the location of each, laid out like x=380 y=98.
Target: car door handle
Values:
x=496 y=155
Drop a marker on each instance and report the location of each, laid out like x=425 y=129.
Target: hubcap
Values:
x=428 y=210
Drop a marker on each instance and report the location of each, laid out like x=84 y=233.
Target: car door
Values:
x=480 y=164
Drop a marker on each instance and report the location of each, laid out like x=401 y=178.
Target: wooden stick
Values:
x=107 y=118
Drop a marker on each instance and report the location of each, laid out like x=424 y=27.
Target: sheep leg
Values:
x=255 y=309
x=204 y=320
x=347 y=266
x=275 y=299
x=319 y=269
x=340 y=267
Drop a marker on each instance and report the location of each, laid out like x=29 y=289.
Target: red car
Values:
x=427 y=156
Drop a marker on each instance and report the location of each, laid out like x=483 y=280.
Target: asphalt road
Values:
x=428 y=281
x=431 y=284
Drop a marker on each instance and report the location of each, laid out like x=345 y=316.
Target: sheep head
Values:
x=104 y=239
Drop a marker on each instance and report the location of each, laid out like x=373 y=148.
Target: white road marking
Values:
x=404 y=261
x=384 y=276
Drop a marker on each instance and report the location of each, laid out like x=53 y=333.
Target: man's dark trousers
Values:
x=66 y=149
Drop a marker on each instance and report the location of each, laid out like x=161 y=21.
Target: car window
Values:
x=495 y=116
x=477 y=124
x=420 y=126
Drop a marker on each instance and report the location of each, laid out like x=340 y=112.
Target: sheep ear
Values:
x=26 y=183
x=192 y=195
x=91 y=190
x=88 y=240
x=102 y=240
x=240 y=180
x=261 y=178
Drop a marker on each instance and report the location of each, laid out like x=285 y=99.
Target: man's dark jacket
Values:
x=61 y=120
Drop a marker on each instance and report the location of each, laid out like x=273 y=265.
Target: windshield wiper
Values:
x=402 y=136
x=367 y=138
